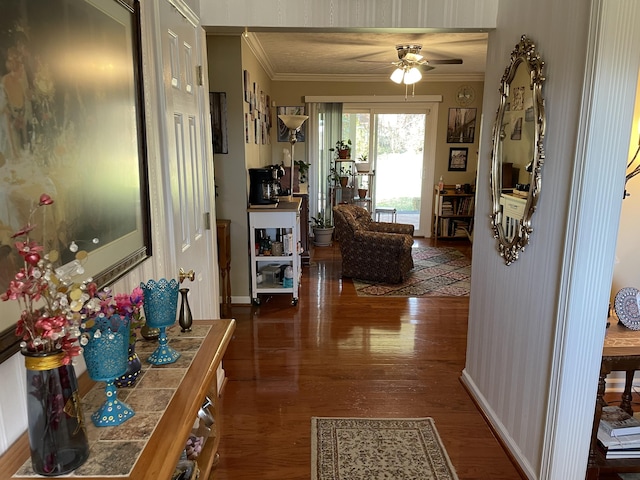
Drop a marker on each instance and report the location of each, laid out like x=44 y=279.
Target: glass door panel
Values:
x=399 y=158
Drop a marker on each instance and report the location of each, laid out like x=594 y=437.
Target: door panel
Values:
x=184 y=163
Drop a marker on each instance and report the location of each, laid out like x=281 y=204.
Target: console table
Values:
x=166 y=400
x=621 y=352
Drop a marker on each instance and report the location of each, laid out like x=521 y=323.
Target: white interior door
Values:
x=185 y=167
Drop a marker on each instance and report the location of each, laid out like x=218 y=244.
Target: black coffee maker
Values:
x=264 y=185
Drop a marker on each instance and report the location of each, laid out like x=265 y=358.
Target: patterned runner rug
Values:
x=437 y=272
x=372 y=449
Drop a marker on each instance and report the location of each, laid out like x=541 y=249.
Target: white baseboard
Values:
x=498 y=427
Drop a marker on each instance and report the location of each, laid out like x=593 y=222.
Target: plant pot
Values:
x=362 y=192
x=343 y=154
x=322 y=236
x=362 y=167
x=344 y=181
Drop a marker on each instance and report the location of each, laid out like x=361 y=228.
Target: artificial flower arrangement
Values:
x=55 y=307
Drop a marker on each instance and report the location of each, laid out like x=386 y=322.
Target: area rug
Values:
x=376 y=449
x=437 y=272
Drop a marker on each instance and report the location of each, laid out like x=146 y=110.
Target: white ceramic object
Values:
x=362 y=167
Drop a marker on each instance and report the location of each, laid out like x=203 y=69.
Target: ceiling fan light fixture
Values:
x=397 y=75
x=412 y=76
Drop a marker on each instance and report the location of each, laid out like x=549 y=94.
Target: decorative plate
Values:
x=465 y=95
x=626 y=307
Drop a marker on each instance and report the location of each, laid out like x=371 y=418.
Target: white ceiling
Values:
x=348 y=56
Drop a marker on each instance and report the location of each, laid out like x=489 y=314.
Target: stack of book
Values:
x=619 y=433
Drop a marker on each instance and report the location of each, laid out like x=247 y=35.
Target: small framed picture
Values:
x=458 y=159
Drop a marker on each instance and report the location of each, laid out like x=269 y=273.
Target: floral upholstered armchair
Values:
x=375 y=251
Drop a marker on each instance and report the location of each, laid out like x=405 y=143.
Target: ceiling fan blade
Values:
x=446 y=61
x=426 y=68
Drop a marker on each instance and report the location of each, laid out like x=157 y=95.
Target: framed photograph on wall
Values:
x=283 y=131
x=461 y=125
x=458 y=159
x=218 y=105
x=247 y=86
x=77 y=135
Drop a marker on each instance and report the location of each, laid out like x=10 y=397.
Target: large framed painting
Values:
x=72 y=127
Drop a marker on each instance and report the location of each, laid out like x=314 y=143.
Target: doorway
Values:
x=399 y=143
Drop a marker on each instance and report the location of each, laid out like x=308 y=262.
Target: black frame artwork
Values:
x=218 y=105
x=79 y=137
x=461 y=125
x=458 y=157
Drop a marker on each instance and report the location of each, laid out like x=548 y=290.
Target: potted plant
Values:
x=336 y=174
x=343 y=147
x=322 y=230
x=303 y=168
x=345 y=173
x=362 y=165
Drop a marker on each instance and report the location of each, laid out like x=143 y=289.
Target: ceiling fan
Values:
x=411 y=64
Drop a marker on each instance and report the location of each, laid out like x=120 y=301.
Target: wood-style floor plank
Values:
x=340 y=355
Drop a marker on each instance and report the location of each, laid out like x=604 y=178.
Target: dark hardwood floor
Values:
x=340 y=355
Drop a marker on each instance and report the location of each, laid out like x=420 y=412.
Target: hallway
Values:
x=337 y=354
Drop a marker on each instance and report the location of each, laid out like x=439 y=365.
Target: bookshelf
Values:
x=453 y=214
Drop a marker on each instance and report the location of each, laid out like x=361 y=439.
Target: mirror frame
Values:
x=525 y=54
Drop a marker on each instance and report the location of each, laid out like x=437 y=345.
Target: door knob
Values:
x=186 y=275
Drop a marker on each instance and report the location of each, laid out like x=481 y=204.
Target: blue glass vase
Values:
x=106 y=356
x=160 y=309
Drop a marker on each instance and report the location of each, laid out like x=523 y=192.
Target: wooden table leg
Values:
x=592 y=469
x=626 y=395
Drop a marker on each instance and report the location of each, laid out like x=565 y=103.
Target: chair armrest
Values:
x=387 y=227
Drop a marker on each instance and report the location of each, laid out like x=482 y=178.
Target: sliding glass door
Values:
x=399 y=142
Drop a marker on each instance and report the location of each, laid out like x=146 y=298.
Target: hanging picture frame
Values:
x=461 y=125
x=218 y=105
x=83 y=129
x=458 y=159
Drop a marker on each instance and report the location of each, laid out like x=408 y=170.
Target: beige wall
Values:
x=292 y=93
x=627 y=264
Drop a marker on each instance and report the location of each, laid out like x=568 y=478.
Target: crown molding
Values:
x=258 y=52
x=304 y=77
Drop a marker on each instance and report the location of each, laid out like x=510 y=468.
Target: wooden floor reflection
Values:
x=337 y=354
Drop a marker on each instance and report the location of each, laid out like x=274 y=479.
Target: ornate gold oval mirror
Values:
x=518 y=152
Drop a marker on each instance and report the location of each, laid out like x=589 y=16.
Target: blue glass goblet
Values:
x=160 y=309
x=106 y=356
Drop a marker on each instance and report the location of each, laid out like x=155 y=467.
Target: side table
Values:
x=621 y=352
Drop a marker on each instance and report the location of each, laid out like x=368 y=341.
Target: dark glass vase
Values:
x=185 y=319
x=57 y=436
x=134 y=367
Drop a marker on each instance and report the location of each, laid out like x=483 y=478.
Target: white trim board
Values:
x=372 y=99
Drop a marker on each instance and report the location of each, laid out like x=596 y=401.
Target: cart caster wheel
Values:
x=294 y=302
x=256 y=301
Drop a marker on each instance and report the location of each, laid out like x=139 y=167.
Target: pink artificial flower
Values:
x=45 y=200
x=123 y=304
